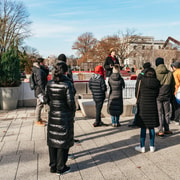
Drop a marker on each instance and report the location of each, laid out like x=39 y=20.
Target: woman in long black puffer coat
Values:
x=115 y=100
x=147 y=116
x=60 y=132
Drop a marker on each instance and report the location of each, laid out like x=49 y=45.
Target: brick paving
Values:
x=104 y=152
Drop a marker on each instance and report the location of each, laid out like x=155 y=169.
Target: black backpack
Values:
x=32 y=83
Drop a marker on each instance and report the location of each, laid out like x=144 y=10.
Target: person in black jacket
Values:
x=110 y=61
x=98 y=88
x=147 y=115
x=40 y=79
x=115 y=100
x=60 y=131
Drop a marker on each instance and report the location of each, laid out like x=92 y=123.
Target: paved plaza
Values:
x=103 y=153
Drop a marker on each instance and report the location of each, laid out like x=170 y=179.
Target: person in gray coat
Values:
x=60 y=131
x=115 y=100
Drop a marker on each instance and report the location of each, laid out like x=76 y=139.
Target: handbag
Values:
x=135 y=107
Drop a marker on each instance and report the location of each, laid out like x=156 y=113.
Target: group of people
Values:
x=155 y=92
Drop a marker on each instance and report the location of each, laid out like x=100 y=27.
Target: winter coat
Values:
x=60 y=98
x=166 y=79
x=40 y=79
x=98 y=87
x=176 y=75
x=109 y=61
x=147 y=116
x=115 y=100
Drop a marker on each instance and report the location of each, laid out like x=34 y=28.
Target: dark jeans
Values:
x=164 y=115
x=99 y=105
x=58 y=158
x=143 y=136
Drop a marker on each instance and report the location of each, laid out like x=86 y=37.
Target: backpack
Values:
x=32 y=83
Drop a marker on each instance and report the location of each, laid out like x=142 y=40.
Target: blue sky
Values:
x=56 y=24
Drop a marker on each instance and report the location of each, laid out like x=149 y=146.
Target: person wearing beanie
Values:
x=159 y=61
x=165 y=94
x=62 y=57
x=176 y=73
x=115 y=100
x=146 y=65
x=98 y=88
x=110 y=61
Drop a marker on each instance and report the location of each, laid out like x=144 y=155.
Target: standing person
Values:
x=165 y=94
x=115 y=100
x=43 y=66
x=110 y=61
x=176 y=74
x=40 y=79
x=146 y=66
x=147 y=117
x=60 y=131
x=97 y=86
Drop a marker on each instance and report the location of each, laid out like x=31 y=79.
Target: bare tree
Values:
x=84 y=44
x=14 y=24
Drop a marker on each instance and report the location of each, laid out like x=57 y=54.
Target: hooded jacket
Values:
x=166 y=79
x=115 y=100
x=60 y=98
x=97 y=84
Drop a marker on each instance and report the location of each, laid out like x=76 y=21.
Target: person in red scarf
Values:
x=110 y=61
x=98 y=88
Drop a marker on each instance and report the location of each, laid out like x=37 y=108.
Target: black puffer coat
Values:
x=60 y=97
x=115 y=101
x=98 y=87
x=147 y=106
x=40 y=78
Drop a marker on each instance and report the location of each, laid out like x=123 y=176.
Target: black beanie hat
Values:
x=62 y=57
x=159 y=61
x=146 y=65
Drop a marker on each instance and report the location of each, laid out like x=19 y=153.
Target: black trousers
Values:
x=58 y=158
x=99 y=105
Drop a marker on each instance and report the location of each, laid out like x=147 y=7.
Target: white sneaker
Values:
x=140 y=149
x=152 y=148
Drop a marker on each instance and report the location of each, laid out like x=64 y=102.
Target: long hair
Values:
x=150 y=72
x=60 y=70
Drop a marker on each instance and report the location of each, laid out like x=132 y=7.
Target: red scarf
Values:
x=113 y=58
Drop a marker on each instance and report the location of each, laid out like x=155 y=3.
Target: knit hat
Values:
x=159 y=61
x=146 y=65
x=176 y=64
x=99 y=70
x=62 y=57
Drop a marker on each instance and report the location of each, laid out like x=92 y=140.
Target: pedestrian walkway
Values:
x=103 y=153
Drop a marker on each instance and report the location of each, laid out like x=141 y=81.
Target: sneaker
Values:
x=160 y=134
x=53 y=170
x=71 y=157
x=152 y=148
x=114 y=125
x=39 y=123
x=118 y=124
x=96 y=124
x=168 y=132
x=103 y=124
x=64 y=171
x=140 y=149
x=43 y=121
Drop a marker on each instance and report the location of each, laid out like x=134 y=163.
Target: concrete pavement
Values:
x=104 y=152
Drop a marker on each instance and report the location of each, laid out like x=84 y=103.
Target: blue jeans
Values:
x=115 y=119
x=143 y=136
